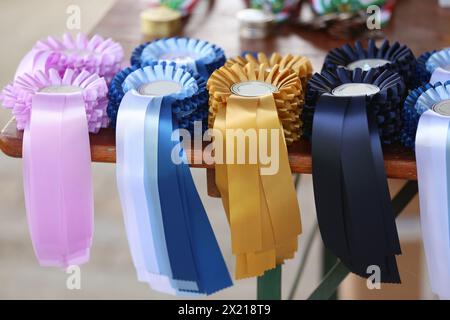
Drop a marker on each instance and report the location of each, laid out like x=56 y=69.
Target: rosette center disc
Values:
x=367 y=64
x=80 y=53
x=179 y=58
x=61 y=89
x=253 y=88
x=442 y=108
x=159 y=88
x=355 y=89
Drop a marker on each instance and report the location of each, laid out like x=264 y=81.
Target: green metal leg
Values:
x=328 y=262
x=329 y=284
x=269 y=285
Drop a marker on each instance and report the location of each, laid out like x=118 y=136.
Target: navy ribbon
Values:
x=353 y=205
x=193 y=250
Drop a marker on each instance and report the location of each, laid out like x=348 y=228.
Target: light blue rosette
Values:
x=198 y=56
x=417 y=102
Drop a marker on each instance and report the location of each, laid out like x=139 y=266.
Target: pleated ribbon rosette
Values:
x=434 y=66
x=57 y=114
x=292 y=124
x=172 y=244
x=432 y=148
x=264 y=217
x=188 y=114
x=395 y=57
x=352 y=198
x=95 y=55
x=196 y=55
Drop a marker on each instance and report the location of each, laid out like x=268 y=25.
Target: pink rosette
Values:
x=95 y=55
x=18 y=95
x=57 y=112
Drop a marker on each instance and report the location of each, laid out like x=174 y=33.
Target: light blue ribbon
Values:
x=175 y=242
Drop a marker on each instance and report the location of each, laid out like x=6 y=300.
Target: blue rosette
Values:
x=171 y=240
x=423 y=75
x=185 y=112
x=417 y=102
x=394 y=57
x=385 y=106
x=430 y=61
x=197 y=55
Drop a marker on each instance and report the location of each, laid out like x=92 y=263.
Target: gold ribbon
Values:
x=302 y=66
x=262 y=210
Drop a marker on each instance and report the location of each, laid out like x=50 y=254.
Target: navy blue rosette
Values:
x=417 y=102
x=185 y=112
x=352 y=110
x=385 y=107
x=394 y=57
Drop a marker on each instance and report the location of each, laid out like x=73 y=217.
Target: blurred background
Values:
x=110 y=273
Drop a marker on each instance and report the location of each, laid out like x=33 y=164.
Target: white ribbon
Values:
x=440 y=75
x=432 y=156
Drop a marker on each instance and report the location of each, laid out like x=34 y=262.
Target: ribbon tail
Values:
x=57 y=168
x=173 y=207
x=130 y=169
x=326 y=146
x=212 y=270
x=366 y=206
x=282 y=204
x=244 y=191
x=432 y=145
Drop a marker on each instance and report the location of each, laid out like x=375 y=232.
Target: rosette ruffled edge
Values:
x=402 y=58
x=103 y=57
x=186 y=111
x=287 y=99
x=423 y=75
x=18 y=95
x=412 y=112
x=216 y=63
x=384 y=105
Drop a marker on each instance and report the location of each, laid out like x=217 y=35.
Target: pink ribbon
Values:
x=58 y=179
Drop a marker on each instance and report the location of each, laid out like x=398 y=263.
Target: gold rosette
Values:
x=302 y=67
x=262 y=208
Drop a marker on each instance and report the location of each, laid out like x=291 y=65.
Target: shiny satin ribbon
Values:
x=186 y=114
x=399 y=57
x=169 y=234
x=353 y=206
x=432 y=147
x=198 y=56
x=95 y=55
x=387 y=111
x=59 y=180
x=290 y=120
x=264 y=219
x=433 y=160
x=79 y=53
x=438 y=65
x=57 y=161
